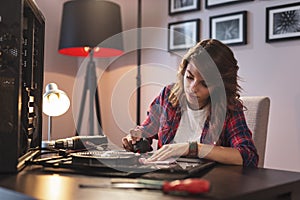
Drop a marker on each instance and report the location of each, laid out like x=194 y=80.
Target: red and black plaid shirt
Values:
x=163 y=120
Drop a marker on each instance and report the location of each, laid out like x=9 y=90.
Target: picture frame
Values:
x=183 y=35
x=231 y=28
x=283 y=22
x=182 y=6
x=216 y=3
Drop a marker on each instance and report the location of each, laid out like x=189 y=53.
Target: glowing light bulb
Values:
x=55 y=101
x=87 y=49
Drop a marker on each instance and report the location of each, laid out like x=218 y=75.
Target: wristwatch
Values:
x=193 y=149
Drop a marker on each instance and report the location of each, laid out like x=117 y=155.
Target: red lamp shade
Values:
x=91 y=24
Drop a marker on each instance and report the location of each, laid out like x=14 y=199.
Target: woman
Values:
x=200 y=115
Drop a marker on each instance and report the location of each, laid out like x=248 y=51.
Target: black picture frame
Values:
x=217 y=3
x=231 y=28
x=283 y=22
x=183 y=6
x=183 y=35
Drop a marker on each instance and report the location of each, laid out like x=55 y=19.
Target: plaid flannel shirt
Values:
x=163 y=120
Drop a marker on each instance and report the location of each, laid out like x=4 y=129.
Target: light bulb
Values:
x=55 y=101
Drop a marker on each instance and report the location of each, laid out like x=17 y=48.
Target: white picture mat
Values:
x=185 y=8
x=271 y=24
x=216 y=2
x=190 y=37
x=228 y=18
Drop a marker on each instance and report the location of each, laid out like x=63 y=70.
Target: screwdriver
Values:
x=186 y=186
x=189 y=186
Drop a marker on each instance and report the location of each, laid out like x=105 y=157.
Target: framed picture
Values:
x=181 y=6
x=183 y=35
x=230 y=28
x=217 y=3
x=283 y=22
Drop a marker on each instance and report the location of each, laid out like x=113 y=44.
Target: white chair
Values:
x=257 y=117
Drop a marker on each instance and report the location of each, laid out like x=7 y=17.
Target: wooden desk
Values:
x=228 y=182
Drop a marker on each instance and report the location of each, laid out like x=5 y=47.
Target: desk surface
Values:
x=228 y=182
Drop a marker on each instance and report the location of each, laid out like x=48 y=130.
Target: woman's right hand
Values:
x=132 y=138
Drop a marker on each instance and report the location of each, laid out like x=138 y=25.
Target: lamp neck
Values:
x=91 y=53
x=49 y=127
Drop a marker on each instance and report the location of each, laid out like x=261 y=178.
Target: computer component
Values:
x=22 y=28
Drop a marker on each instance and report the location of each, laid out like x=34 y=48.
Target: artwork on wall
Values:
x=217 y=3
x=182 y=6
x=283 y=22
x=230 y=28
x=183 y=35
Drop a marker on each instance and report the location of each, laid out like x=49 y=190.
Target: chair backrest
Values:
x=257 y=117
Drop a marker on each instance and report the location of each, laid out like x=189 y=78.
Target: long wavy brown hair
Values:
x=211 y=56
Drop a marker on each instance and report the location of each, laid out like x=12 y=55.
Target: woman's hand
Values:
x=134 y=136
x=170 y=150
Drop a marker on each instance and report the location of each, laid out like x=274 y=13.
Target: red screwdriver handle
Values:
x=190 y=186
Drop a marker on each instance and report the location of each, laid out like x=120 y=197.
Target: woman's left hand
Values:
x=170 y=150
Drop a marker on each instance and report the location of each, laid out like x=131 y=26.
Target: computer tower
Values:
x=22 y=30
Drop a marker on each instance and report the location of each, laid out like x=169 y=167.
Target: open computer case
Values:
x=22 y=30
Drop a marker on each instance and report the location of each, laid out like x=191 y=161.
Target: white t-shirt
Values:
x=191 y=125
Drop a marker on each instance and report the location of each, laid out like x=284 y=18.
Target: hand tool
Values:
x=186 y=186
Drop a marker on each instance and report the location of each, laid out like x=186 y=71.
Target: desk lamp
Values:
x=86 y=25
x=55 y=103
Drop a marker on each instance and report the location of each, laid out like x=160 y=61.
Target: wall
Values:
x=269 y=69
x=59 y=69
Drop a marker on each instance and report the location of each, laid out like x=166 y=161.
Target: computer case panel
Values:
x=22 y=33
